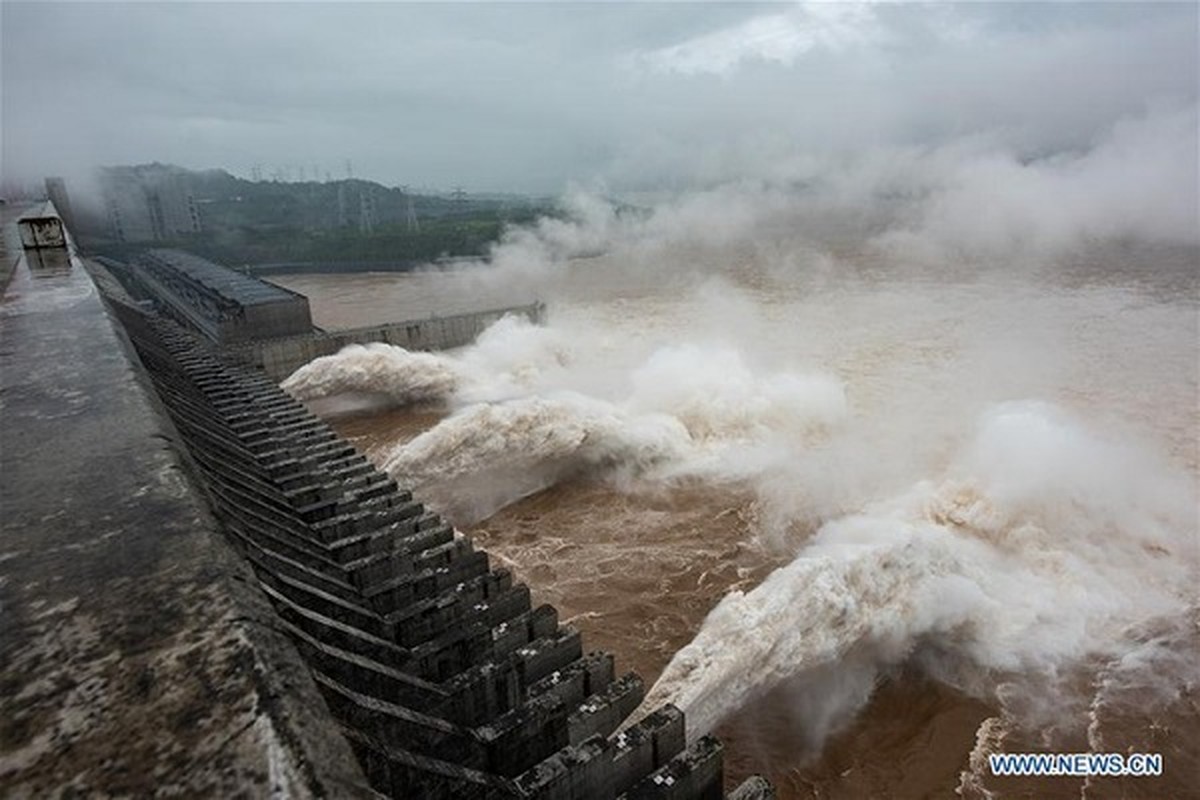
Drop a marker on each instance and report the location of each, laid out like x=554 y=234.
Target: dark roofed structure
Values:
x=230 y=284
x=222 y=303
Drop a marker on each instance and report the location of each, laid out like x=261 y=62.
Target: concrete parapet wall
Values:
x=138 y=656
x=280 y=357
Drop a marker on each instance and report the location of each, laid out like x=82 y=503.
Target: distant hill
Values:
x=348 y=221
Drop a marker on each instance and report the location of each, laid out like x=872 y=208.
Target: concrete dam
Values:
x=206 y=591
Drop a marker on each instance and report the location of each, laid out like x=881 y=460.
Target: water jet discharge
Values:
x=871 y=502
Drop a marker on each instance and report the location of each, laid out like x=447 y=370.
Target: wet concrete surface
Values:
x=137 y=655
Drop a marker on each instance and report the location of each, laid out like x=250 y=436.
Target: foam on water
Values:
x=489 y=454
x=376 y=368
x=1044 y=549
x=1033 y=552
x=716 y=395
x=1041 y=559
x=531 y=405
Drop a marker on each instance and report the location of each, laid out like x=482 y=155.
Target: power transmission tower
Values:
x=343 y=212
x=410 y=218
x=366 y=210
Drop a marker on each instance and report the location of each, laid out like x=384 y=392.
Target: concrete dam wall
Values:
x=138 y=655
x=261 y=325
x=445 y=678
x=440 y=671
x=231 y=600
x=280 y=357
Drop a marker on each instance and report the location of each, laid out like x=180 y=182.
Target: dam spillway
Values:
x=434 y=669
x=256 y=323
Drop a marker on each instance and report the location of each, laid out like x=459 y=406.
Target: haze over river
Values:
x=868 y=522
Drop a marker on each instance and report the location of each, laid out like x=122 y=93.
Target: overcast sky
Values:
x=529 y=97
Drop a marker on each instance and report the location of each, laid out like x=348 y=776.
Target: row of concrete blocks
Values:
x=444 y=678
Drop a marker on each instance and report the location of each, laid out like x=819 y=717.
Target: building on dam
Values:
x=205 y=591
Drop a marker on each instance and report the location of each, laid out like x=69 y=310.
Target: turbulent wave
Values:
x=1043 y=550
x=492 y=453
x=404 y=377
x=1038 y=566
x=531 y=405
x=509 y=357
x=1036 y=553
x=716 y=395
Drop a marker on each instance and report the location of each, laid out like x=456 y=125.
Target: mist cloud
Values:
x=530 y=96
x=973 y=202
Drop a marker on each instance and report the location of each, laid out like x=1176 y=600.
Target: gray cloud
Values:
x=530 y=96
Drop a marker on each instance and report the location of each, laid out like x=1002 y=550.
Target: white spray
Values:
x=1033 y=549
x=532 y=405
x=1043 y=548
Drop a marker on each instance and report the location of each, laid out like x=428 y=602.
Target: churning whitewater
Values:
x=813 y=476
x=1040 y=552
x=1044 y=550
x=528 y=410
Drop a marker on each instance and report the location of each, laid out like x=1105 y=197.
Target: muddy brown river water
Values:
x=658 y=447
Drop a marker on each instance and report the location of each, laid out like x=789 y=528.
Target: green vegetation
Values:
x=392 y=244
x=350 y=224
